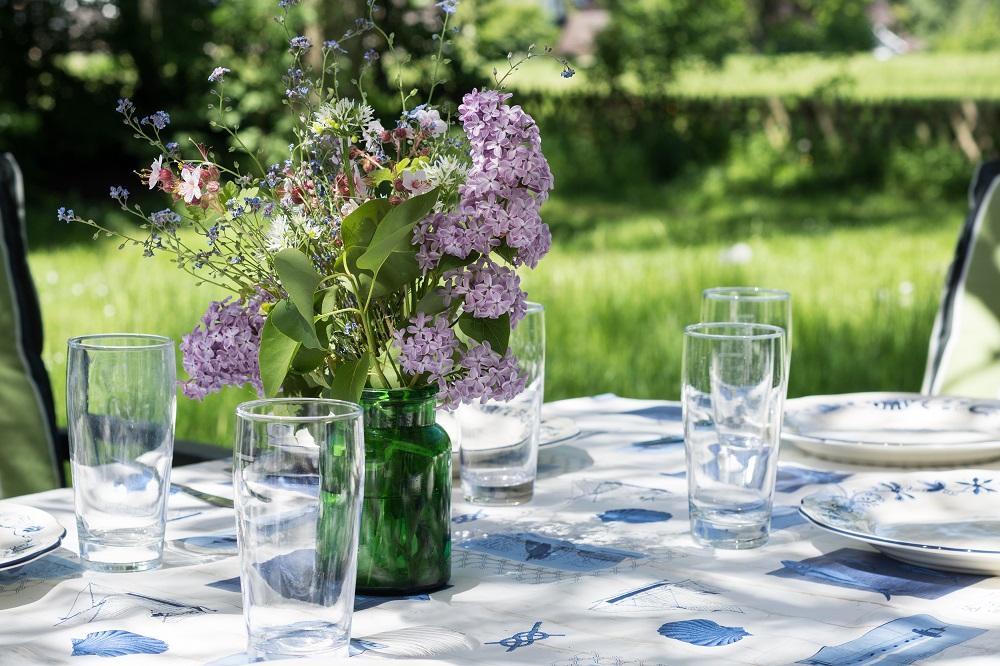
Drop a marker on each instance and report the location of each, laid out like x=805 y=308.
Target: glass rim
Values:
x=350 y=410
x=533 y=307
x=105 y=341
x=755 y=331
x=745 y=293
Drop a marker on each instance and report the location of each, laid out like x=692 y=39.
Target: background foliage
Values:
x=697 y=130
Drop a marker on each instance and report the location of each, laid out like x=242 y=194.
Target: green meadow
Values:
x=865 y=270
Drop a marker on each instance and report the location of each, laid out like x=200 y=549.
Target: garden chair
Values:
x=34 y=452
x=964 y=354
x=32 y=447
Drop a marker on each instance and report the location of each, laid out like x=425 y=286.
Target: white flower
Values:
x=154 y=176
x=416 y=182
x=373 y=137
x=447 y=171
x=348 y=207
x=277 y=234
x=190 y=187
x=342 y=118
x=430 y=119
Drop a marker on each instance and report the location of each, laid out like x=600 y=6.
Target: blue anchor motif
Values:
x=468 y=517
x=524 y=638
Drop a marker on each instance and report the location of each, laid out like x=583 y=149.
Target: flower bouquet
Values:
x=376 y=262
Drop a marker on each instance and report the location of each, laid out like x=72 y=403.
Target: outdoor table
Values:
x=599 y=568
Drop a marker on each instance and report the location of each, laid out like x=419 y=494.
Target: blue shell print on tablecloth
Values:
x=634 y=516
x=702 y=632
x=117 y=643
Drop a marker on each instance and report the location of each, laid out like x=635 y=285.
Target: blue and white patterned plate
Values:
x=26 y=533
x=900 y=429
x=946 y=520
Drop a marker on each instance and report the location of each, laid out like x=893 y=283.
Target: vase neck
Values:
x=399 y=408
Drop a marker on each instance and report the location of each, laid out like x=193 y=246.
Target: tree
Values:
x=653 y=38
x=64 y=64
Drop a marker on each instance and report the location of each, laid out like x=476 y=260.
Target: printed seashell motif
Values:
x=117 y=643
x=634 y=516
x=702 y=632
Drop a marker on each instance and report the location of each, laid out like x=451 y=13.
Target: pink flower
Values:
x=416 y=182
x=154 y=171
x=190 y=186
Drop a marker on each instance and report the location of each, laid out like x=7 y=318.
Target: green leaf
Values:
x=495 y=331
x=307 y=360
x=406 y=214
x=365 y=286
x=391 y=256
x=350 y=378
x=229 y=191
x=288 y=320
x=432 y=302
x=380 y=176
x=450 y=262
x=329 y=299
x=300 y=281
x=357 y=230
x=506 y=251
x=276 y=353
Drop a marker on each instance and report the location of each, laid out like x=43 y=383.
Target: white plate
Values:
x=946 y=520
x=903 y=429
x=551 y=431
x=26 y=533
x=557 y=430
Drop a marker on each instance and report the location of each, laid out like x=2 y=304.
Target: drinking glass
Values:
x=752 y=305
x=121 y=400
x=298 y=476
x=733 y=397
x=498 y=456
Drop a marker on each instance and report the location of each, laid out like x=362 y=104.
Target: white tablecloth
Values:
x=598 y=569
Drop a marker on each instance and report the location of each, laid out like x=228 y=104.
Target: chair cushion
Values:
x=964 y=354
x=27 y=415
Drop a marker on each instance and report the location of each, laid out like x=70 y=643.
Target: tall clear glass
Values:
x=750 y=305
x=498 y=456
x=732 y=396
x=298 y=477
x=121 y=399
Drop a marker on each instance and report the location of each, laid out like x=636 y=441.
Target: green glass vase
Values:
x=405 y=544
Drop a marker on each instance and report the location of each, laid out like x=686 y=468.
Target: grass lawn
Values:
x=865 y=271
x=859 y=77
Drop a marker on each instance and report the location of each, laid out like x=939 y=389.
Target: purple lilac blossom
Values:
x=506 y=186
x=486 y=289
x=498 y=204
x=426 y=346
x=487 y=376
x=222 y=349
